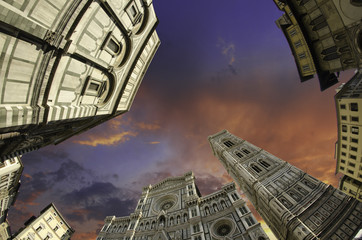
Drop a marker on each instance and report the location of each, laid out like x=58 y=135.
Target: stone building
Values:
x=10 y=174
x=294 y=204
x=325 y=37
x=349 y=144
x=50 y=224
x=175 y=209
x=67 y=66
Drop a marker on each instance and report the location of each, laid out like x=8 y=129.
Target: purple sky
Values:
x=221 y=65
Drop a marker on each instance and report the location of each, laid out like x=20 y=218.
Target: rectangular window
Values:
x=354 y=119
x=343 y=161
x=292 y=32
x=344 y=138
x=190 y=186
x=352 y=157
x=239 y=155
x=344 y=146
x=344 y=117
x=350 y=171
x=297 y=44
x=344 y=128
x=343 y=154
x=354 y=130
x=342 y=168
x=343 y=106
x=354 y=107
x=351 y=164
x=354 y=140
x=56 y=228
x=306 y=67
x=301 y=55
x=38 y=229
x=353 y=149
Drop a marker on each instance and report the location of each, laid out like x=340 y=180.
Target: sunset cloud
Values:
x=154 y=142
x=108 y=140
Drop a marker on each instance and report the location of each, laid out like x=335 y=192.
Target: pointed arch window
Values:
x=185 y=217
x=207 y=210
x=239 y=154
x=223 y=204
x=215 y=207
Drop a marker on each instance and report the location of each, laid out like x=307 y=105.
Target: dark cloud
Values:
x=44 y=155
x=99 y=200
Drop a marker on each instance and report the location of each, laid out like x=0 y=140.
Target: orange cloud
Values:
x=154 y=142
x=107 y=140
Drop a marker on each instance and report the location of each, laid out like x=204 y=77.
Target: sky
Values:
x=220 y=65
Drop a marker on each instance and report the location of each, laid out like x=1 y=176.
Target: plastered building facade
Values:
x=50 y=224
x=175 y=209
x=325 y=36
x=348 y=153
x=67 y=66
x=294 y=204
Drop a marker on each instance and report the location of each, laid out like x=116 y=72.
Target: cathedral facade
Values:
x=67 y=66
x=294 y=204
x=174 y=209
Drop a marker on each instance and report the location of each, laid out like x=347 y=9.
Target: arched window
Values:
x=153 y=224
x=185 y=217
x=114 y=228
x=171 y=221
x=162 y=221
x=141 y=226
x=125 y=228
x=223 y=204
x=178 y=219
x=215 y=207
x=147 y=225
x=207 y=210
